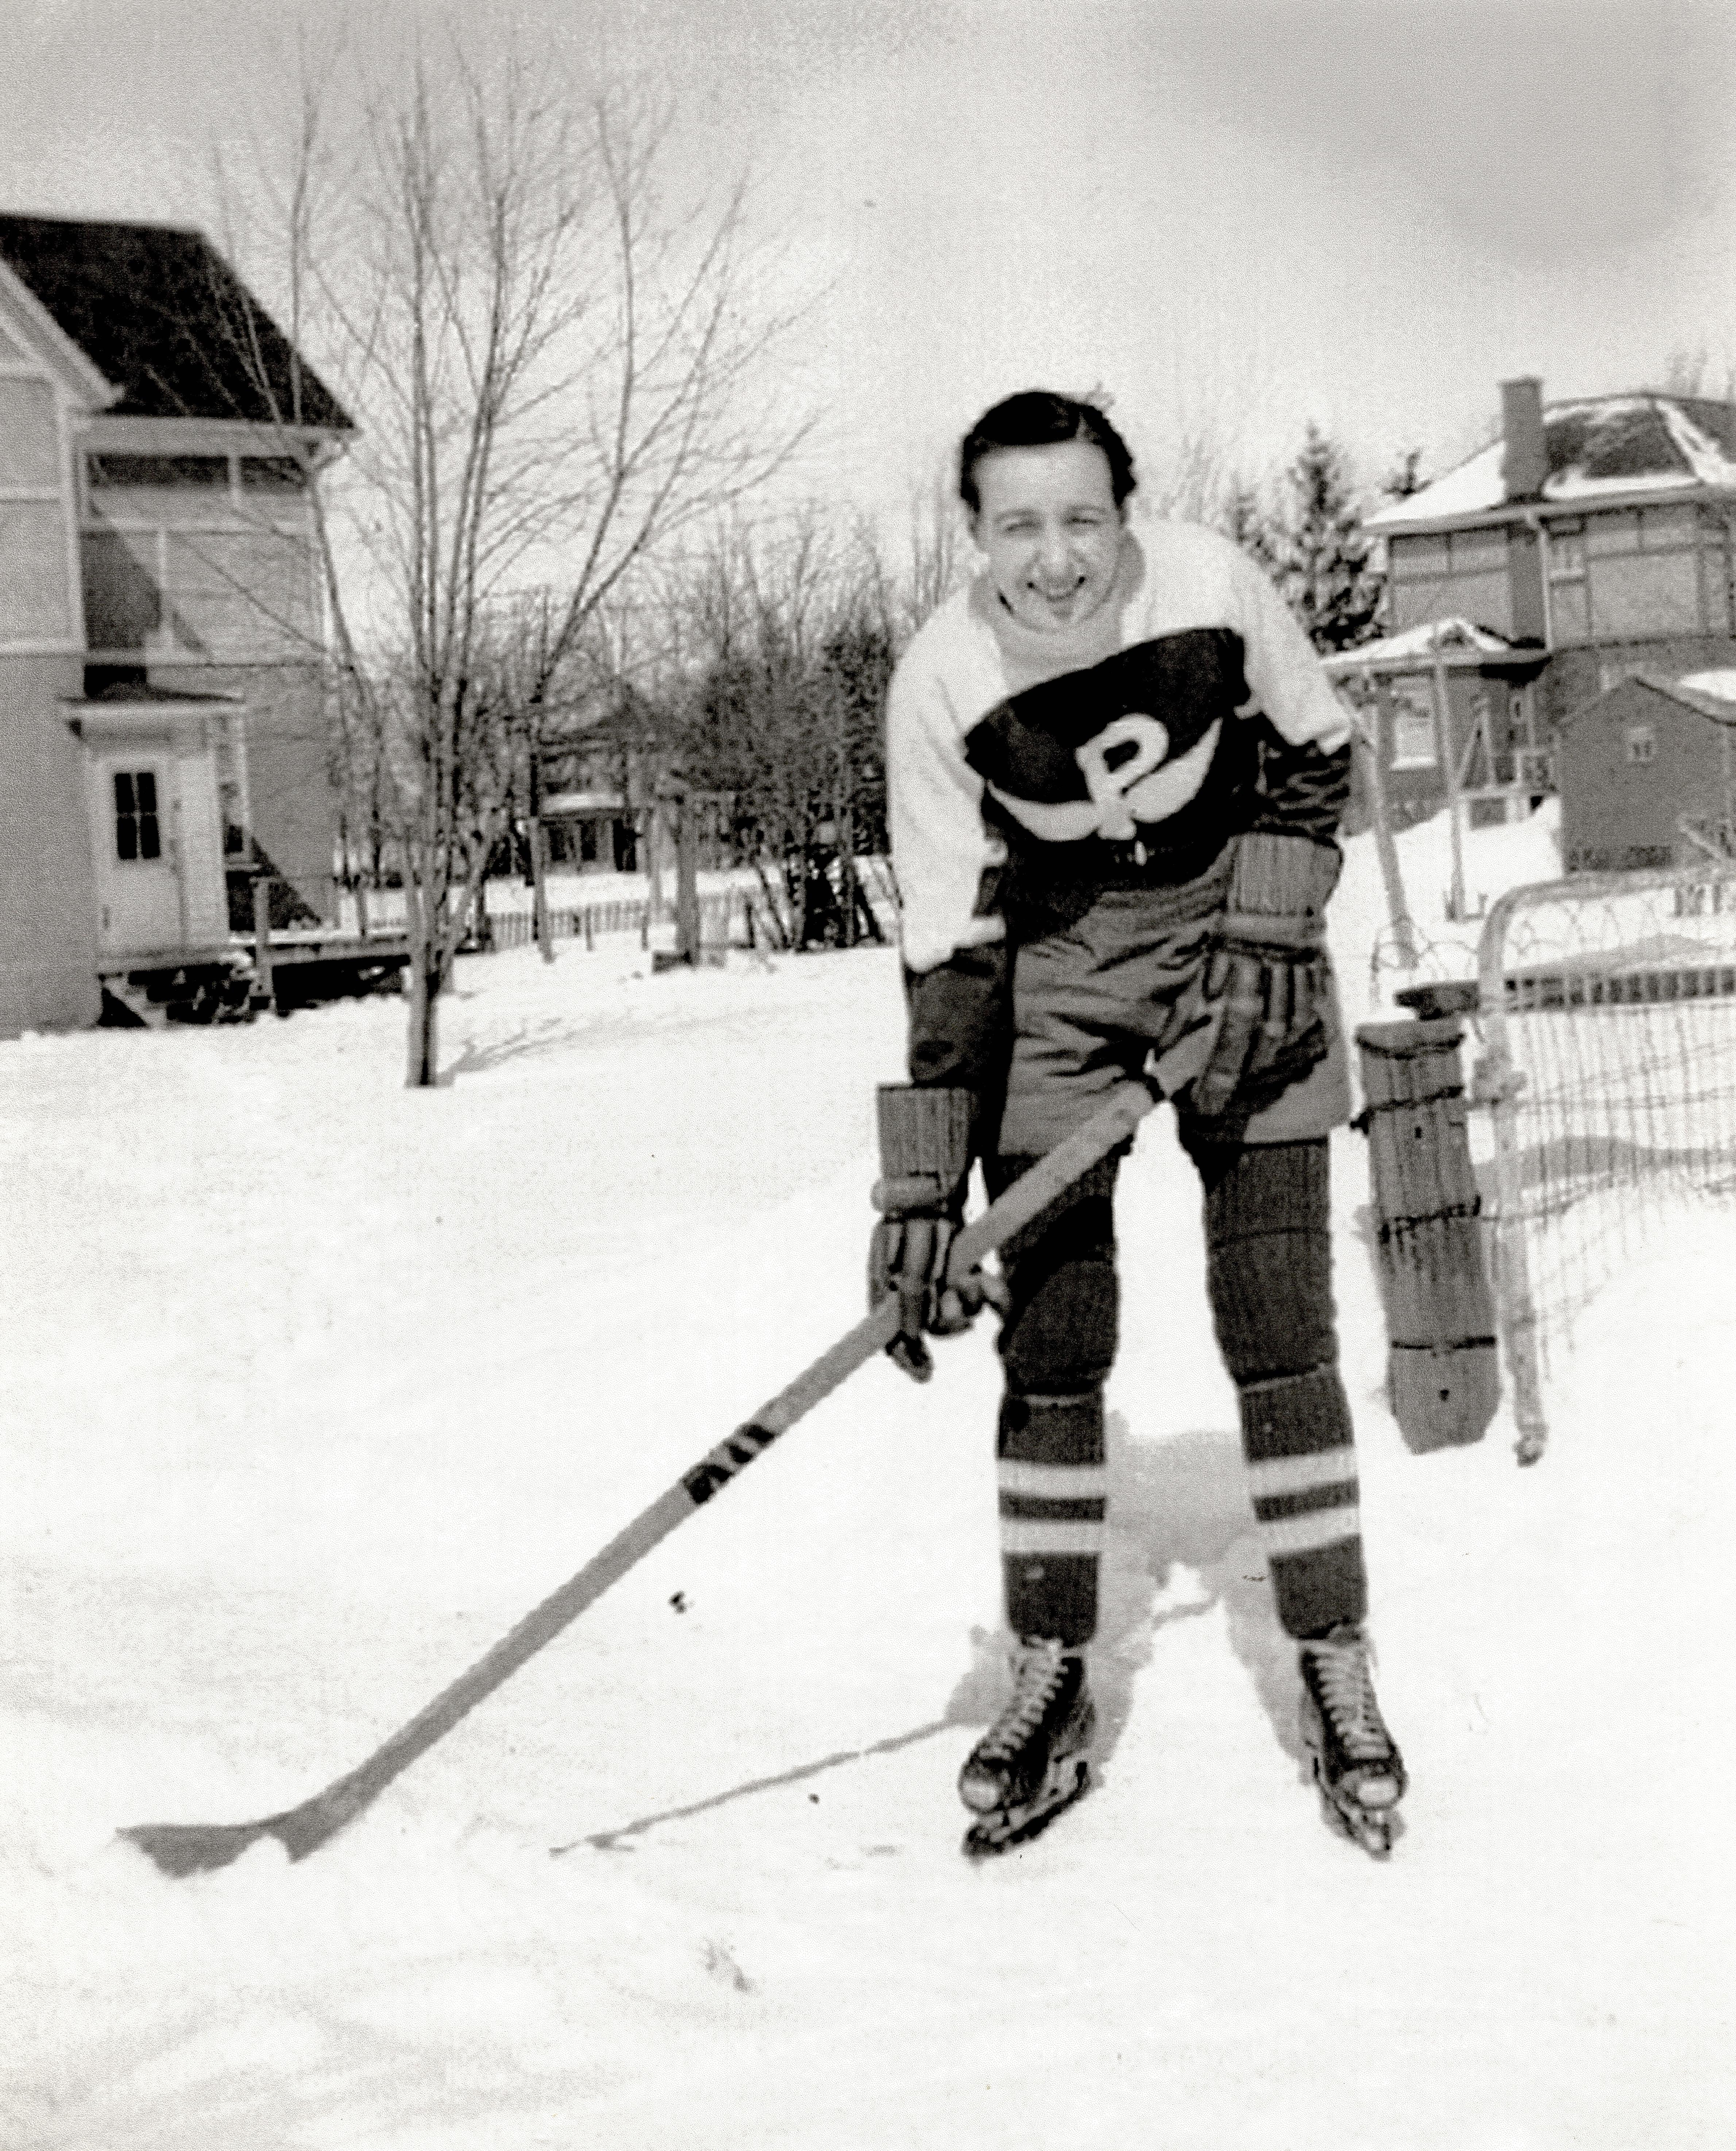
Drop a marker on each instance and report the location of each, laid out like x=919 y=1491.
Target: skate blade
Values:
x=1374 y=1827
x=1373 y=1830
x=1069 y=1781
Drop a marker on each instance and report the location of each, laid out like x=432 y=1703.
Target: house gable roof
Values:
x=1599 y=449
x=1712 y=708
x=158 y=312
x=1717 y=685
x=31 y=336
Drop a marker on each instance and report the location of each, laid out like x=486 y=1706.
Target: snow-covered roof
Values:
x=1451 y=637
x=1721 y=709
x=1719 y=686
x=1599 y=448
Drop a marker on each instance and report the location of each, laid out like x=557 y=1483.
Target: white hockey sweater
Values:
x=1128 y=751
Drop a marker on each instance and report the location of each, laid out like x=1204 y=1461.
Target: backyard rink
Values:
x=316 y=1386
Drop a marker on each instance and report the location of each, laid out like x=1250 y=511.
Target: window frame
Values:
x=131 y=813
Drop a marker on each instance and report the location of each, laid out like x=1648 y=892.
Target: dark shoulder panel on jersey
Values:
x=1028 y=745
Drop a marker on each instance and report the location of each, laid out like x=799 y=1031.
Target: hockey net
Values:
x=1607 y=1005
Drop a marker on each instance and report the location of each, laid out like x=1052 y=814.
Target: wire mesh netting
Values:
x=1609 y=1009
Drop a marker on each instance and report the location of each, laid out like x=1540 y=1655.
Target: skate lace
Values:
x=1036 y=1678
x=1346 y=1695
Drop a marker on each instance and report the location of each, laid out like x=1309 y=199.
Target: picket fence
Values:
x=751 y=914
x=592 y=923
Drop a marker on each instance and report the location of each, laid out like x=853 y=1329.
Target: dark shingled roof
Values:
x=162 y=315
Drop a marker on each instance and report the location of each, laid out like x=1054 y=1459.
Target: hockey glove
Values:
x=924 y=1163
x=1266 y=986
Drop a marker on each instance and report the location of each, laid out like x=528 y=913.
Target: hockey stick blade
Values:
x=182 y=1848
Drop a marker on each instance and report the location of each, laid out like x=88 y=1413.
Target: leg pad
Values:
x=1268 y=1256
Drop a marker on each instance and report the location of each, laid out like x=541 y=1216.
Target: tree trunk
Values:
x=653 y=861
x=845 y=824
x=774 y=910
x=536 y=840
x=423 y=1071
x=539 y=888
x=421 y=928
x=687 y=914
x=798 y=895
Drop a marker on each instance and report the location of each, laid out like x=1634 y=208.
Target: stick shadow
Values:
x=1182 y=1539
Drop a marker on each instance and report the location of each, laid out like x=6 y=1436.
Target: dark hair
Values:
x=1039 y=418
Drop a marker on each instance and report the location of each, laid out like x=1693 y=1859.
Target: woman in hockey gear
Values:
x=1114 y=772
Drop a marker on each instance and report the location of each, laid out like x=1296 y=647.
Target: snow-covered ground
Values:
x=314 y=1386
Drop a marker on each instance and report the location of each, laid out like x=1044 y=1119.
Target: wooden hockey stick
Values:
x=182 y=1849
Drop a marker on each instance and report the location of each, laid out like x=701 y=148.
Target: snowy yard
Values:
x=314 y=1386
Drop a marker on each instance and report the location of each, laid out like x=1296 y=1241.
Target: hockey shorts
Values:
x=1110 y=996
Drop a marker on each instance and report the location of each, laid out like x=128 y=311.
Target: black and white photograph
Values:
x=867 y=1074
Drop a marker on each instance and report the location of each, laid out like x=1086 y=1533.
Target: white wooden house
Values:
x=162 y=725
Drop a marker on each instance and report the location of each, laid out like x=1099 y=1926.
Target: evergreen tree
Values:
x=1324 y=560
x=1247 y=522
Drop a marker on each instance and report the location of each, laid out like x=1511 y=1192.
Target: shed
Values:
x=1646 y=773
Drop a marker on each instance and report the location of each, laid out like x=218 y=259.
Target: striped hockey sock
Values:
x=1052 y=1487
x=1269 y=1270
x=1302 y=1476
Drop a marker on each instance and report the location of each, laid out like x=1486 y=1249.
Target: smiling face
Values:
x=1047 y=522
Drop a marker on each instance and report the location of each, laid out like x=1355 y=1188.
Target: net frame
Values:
x=1607 y=1007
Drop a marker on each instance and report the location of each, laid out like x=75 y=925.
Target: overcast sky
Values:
x=1234 y=215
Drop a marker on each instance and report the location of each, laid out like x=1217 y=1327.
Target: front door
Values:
x=134 y=835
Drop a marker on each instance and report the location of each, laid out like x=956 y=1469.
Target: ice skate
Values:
x=1357 y=1765
x=1034 y=1760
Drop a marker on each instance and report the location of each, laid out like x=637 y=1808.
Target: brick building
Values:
x=1593 y=541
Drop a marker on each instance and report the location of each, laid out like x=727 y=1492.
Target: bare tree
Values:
x=788 y=637
x=935 y=556
x=552 y=373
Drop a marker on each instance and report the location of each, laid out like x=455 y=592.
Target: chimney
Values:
x=1524 y=465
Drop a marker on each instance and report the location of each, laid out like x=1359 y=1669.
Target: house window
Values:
x=1613 y=532
x=1566 y=552
x=29 y=436
x=1424 y=556
x=1412 y=730
x=1641 y=743
x=137 y=832
x=1664 y=529
x=1478 y=552
x=1413 y=741
x=106 y=470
